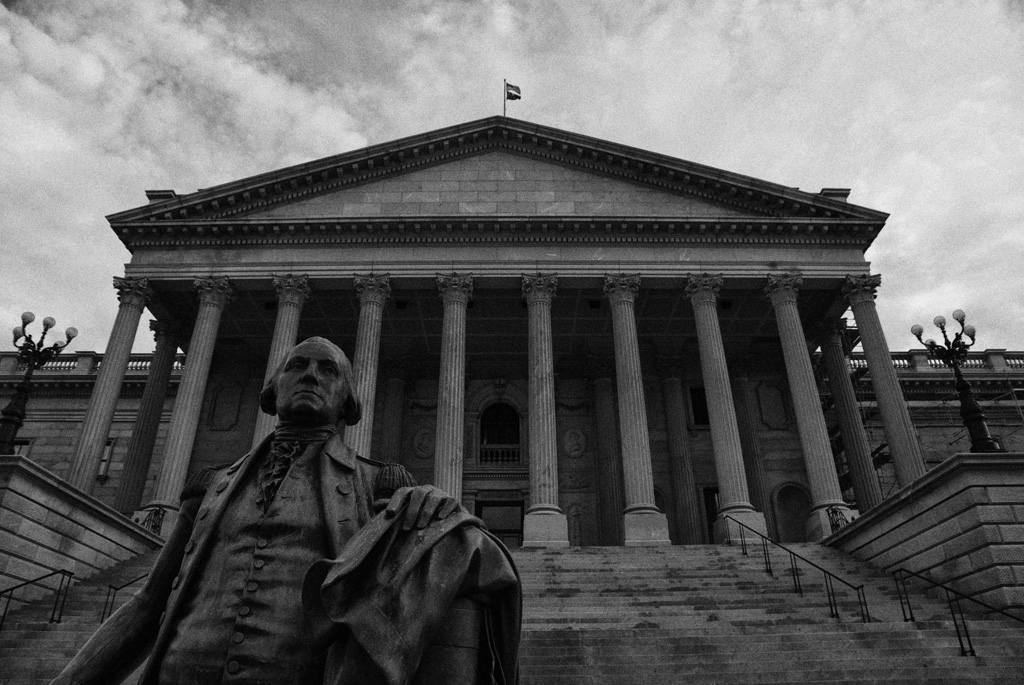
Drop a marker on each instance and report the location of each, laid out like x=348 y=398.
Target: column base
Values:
x=819 y=523
x=545 y=528
x=727 y=532
x=647 y=527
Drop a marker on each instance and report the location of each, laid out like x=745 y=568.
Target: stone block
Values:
x=477 y=207
x=645 y=528
x=545 y=529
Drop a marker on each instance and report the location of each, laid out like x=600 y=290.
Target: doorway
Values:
x=504 y=520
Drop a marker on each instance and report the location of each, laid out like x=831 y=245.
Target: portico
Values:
x=506 y=292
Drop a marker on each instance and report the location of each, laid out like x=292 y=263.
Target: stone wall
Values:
x=961 y=524
x=47 y=525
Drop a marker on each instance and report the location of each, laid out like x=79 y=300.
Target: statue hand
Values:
x=426 y=503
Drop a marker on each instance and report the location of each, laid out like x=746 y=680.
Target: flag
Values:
x=512 y=92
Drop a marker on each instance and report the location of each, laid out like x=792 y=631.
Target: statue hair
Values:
x=351 y=409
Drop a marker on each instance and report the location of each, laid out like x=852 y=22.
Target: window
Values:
x=108 y=453
x=499 y=435
x=699 y=406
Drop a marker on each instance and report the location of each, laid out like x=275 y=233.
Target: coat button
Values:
x=237 y=638
x=175 y=583
x=190 y=546
x=244 y=611
x=233 y=667
x=259 y=563
x=221 y=487
x=252 y=586
x=261 y=543
x=203 y=512
x=344 y=487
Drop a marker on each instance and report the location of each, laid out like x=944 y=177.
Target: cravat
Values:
x=275 y=467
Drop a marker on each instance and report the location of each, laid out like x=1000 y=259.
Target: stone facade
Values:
x=607 y=343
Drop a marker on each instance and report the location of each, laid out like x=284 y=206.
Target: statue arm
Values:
x=122 y=643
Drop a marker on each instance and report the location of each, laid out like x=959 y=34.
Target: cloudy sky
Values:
x=916 y=106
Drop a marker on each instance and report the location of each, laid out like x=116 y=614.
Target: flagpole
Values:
x=504 y=97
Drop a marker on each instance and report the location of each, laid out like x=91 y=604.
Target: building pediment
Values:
x=561 y=174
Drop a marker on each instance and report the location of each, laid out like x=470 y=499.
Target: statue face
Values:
x=312 y=387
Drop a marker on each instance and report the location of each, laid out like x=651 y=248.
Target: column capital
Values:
x=455 y=287
x=132 y=291
x=169 y=330
x=291 y=289
x=859 y=289
x=373 y=288
x=621 y=287
x=782 y=287
x=703 y=287
x=539 y=288
x=215 y=290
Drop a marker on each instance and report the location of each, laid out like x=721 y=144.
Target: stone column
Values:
x=610 y=500
x=733 y=497
x=292 y=294
x=214 y=294
x=133 y=294
x=742 y=391
x=147 y=420
x=899 y=430
x=810 y=422
x=684 y=484
x=394 y=404
x=373 y=292
x=644 y=524
x=855 y=440
x=456 y=290
x=544 y=524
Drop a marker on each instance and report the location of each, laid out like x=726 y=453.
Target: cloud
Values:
x=914 y=106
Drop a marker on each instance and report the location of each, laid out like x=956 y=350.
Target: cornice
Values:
x=508 y=229
x=760 y=198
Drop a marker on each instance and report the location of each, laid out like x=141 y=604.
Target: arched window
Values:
x=499 y=435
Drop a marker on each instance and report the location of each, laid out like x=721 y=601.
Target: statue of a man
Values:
x=283 y=569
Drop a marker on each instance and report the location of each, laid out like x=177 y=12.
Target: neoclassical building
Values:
x=587 y=342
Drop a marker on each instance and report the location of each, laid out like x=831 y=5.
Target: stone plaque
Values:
x=423 y=443
x=574 y=442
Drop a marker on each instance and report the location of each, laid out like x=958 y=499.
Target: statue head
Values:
x=313 y=385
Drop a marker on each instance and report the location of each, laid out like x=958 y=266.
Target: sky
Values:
x=918 y=107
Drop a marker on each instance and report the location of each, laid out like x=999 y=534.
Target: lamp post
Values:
x=34 y=356
x=953 y=354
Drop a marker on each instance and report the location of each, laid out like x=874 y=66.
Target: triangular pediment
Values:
x=498 y=184
x=496 y=167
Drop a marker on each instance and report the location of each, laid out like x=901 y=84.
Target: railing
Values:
x=112 y=590
x=499 y=454
x=58 y=600
x=830 y=578
x=953 y=598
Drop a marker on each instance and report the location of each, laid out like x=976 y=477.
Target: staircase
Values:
x=653 y=616
x=709 y=615
x=33 y=651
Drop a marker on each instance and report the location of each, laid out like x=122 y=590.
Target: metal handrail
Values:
x=59 y=600
x=830 y=591
x=952 y=596
x=112 y=590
